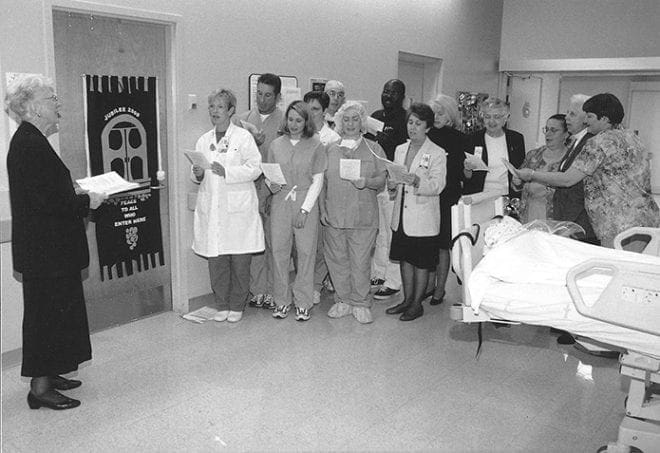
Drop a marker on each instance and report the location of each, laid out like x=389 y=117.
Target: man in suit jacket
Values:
x=568 y=202
x=496 y=143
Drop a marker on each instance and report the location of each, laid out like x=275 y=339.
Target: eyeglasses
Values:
x=333 y=93
x=552 y=130
x=493 y=117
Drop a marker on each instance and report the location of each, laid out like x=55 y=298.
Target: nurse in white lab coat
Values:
x=227 y=225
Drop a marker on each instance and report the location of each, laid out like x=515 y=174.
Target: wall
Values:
x=222 y=43
x=568 y=29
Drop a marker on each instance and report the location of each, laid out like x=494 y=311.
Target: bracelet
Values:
x=302 y=211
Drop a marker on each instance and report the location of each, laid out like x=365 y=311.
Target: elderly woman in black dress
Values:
x=447 y=135
x=49 y=246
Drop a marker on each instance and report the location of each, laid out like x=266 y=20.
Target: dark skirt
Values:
x=421 y=251
x=55 y=329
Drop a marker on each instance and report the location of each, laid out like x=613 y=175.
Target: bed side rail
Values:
x=649 y=237
x=631 y=299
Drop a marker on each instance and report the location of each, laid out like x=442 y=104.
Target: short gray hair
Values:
x=21 y=93
x=350 y=105
x=450 y=106
x=223 y=93
x=494 y=104
x=579 y=99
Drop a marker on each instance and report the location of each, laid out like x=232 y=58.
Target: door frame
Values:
x=173 y=24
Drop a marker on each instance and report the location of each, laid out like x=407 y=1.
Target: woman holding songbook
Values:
x=416 y=216
x=227 y=225
x=356 y=173
x=294 y=214
x=49 y=245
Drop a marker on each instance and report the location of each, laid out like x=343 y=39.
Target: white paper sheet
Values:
x=396 y=172
x=349 y=169
x=374 y=126
x=475 y=162
x=108 y=183
x=197 y=158
x=273 y=172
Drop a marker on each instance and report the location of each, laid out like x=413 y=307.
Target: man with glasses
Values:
x=496 y=143
x=335 y=90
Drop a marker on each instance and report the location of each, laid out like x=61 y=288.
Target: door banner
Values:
x=122 y=135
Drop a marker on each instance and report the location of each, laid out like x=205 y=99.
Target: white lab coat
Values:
x=227 y=220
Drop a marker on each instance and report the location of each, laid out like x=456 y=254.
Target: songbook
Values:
x=197 y=158
x=273 y=172
x=349 y=169
x=396 y=172
x=201 y=315
x=108 y=183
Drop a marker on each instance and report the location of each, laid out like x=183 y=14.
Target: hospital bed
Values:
x=606 y=295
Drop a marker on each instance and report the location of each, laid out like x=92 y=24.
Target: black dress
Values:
x=49 y=249
x=455 y=144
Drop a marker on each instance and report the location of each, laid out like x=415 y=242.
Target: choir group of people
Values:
x=386 y=229
x=360 y=208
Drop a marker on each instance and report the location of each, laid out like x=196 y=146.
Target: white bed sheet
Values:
x=524 y=280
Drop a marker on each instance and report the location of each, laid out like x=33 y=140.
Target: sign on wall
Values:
x=122 y=135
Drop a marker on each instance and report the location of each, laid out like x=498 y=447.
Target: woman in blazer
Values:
x=49 y=245
x=416 y=215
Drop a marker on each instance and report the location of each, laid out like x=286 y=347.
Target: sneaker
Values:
x=363 y=315
x=257 y=301
x=385 y=293
x=377 y=282
x=317 y=298
x=221 y=316
x=302 y=314
x=327 y=284
x=234 y=316
x=281 y=311
x=339 y=309
x=268 y=302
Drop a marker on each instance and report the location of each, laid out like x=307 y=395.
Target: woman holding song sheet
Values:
x=356 y=173
x=227 y=225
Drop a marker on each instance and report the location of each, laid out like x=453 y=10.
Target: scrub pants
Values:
x=381 y=265
x=348 y=256
x=261 y=272
x=282 y=216
x=230 y=279
x=320 y=268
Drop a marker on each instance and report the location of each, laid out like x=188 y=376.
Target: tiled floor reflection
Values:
x=163 y=384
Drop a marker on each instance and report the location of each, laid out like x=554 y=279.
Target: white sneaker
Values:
x=221 y=316
x=363 y=315
x=317 y=298
x=302 y=314
x=234 y=316
x=339 y=309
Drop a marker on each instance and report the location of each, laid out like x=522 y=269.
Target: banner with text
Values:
x=122 y=136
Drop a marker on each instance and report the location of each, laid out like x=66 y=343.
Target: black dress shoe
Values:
x=399 y=308
x=62 y=383
x=53 y=400
x=409 y=315
x=565 y=338
x=435 y=301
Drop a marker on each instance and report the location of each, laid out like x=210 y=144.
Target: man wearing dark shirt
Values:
x=386 y=274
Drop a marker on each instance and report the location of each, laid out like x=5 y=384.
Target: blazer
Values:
x=420 y=214
x=456 y=144
x=48 y=232
x=515 y=143
x=568 y=202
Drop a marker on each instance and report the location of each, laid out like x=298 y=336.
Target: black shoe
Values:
x=435 y=301
x=377 y=282
x=53 y=400
x=385 y=293
x=428 y=294
x=399 y=308
x=565 y=338
x=410 y=315
x=62 y=383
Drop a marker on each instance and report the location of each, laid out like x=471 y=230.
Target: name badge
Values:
x=426 y=161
